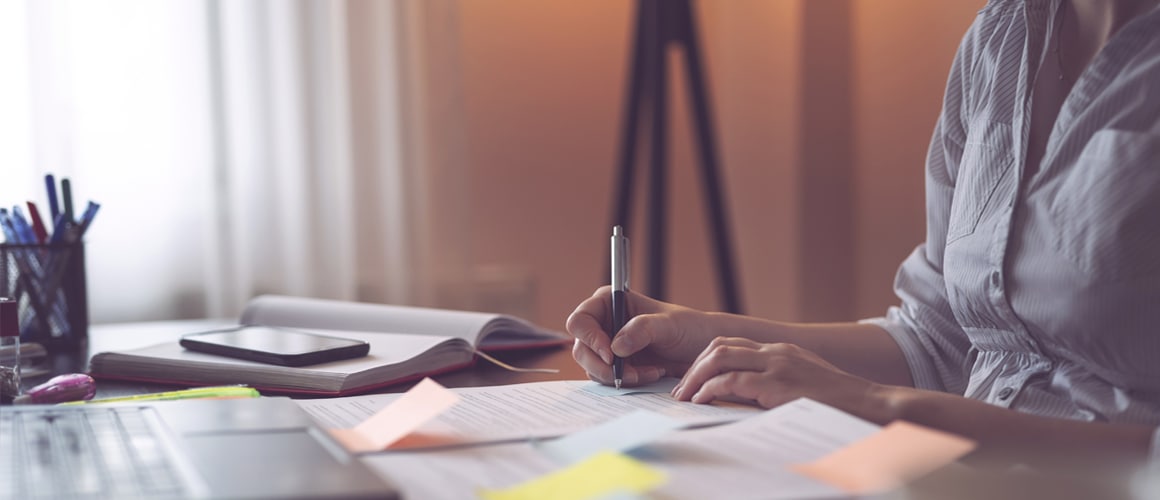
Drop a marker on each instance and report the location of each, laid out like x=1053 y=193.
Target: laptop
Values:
x=233 y=448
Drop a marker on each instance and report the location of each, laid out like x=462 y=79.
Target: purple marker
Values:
x=60 y=389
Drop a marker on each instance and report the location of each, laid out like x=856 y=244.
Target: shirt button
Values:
x=995 y=278
x=1006 y=393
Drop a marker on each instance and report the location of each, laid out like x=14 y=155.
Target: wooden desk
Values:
x=120 y=336
x=953 y=483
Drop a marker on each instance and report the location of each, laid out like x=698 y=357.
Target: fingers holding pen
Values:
x=591 y=322
x=587 y=324
x=597 y=368
x=642 y=331
x=653 y=342
x=602 y=372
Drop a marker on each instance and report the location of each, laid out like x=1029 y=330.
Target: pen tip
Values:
x=618 y=384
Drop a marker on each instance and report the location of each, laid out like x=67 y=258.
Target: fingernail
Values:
x=606 y=356
x=624 y=343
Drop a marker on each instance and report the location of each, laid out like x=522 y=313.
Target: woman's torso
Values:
x=1054 y=272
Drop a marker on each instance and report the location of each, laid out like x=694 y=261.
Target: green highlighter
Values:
x=216 y=392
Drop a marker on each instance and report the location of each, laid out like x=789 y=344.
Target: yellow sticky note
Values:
x=601 y=475
x=422 y=403
x=887 y=459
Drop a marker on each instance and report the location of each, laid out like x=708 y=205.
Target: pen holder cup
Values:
x=48 y=284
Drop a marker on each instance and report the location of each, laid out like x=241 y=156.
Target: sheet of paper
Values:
x=521 y=411
x=620 y=434
x=602 y=474
x=424 y=473
x=414 y=408
x=664 y=385
x=897 y=454
x=748 y=459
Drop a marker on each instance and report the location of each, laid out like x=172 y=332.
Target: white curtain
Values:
x=239 y=148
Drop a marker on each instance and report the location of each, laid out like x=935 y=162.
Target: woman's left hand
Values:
x=773 y=374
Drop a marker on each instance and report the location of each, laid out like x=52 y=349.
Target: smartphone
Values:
x=275 y=345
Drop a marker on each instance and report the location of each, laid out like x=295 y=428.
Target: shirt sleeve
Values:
x=933 y=344
x=935 y=347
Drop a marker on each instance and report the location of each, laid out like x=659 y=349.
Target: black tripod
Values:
x=659 y=23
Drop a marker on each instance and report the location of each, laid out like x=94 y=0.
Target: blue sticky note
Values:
x=621 y=434
x=665 y=385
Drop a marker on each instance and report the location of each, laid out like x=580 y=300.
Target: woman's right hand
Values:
x=660 y=338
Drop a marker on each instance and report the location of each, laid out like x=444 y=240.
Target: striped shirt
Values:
x=1041 y=294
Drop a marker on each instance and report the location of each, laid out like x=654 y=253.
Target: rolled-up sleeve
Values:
x=935 y=347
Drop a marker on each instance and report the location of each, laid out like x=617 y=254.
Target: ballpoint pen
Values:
x=77 y=231
x=53 y=204
x=24 y=230
x=619 y=299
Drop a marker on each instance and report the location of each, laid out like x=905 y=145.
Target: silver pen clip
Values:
x=620 y=270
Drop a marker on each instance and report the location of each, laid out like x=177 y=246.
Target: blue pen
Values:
x=6 y=226
x=86 y=220
x=23 y=229
x=12 y=234
x=25 y=235
x=50 y=186
x=24 y=261
x=59 y=234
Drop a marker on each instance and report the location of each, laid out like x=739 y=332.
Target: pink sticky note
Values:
x=889 y=458
x=416 y=407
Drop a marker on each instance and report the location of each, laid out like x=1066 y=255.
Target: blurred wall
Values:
x=543 y=86
x=902 y=55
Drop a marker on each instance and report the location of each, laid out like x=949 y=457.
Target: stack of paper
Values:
x=619 y=442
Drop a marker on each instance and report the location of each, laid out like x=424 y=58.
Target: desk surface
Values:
x=951 y=483
x=121 y=336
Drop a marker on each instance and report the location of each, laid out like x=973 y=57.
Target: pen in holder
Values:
x=48 y=283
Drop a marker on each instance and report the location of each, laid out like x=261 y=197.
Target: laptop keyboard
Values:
x=86 y=452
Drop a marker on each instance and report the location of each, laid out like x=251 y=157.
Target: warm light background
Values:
x=543 y=83
x=461 y=153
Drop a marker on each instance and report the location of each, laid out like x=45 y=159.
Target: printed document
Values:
x=741 y=460
x=523 y=411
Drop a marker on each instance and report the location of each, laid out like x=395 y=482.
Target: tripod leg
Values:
x=703 y=122
x=658 y=184
x=637 y=97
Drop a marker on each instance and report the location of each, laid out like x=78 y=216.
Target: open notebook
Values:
x=406 y=343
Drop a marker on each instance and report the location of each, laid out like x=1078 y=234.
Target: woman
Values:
x=1037 y=288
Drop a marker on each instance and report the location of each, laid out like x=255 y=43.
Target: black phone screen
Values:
x=274 y=345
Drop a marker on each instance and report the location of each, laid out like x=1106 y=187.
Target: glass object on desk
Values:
x=9 y=351
x=47 y=282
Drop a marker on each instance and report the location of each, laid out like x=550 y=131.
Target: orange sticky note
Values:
x=889 y=458
x=422 y=403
